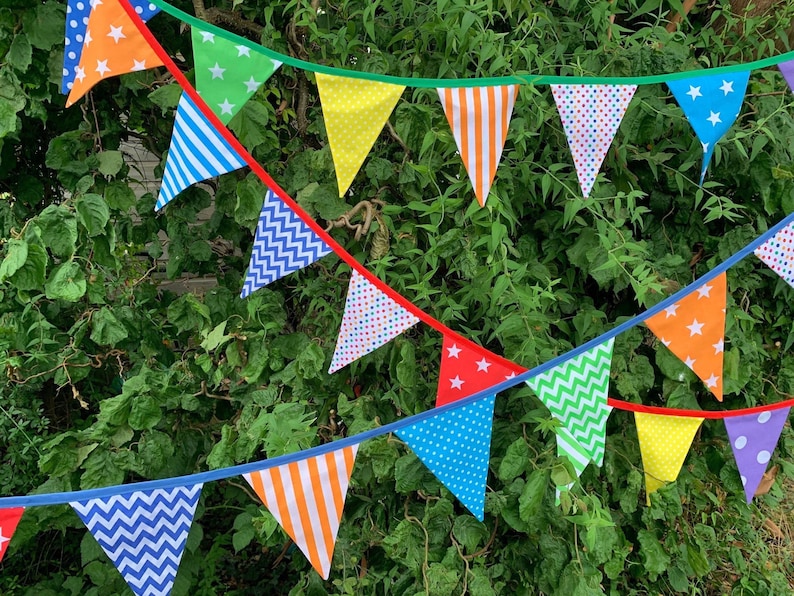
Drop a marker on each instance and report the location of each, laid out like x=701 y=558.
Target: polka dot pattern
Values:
x=753 y=438
x=664 y=443
x=355 y=111
x=456 y=447
x=591 y=115
x=371 y=319
x=778 y=253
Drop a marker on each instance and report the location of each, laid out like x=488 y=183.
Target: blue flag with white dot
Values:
x=456 y=447
x=711 y=104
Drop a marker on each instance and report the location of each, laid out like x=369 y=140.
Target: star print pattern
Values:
x=9 y=518
x=112 y=46
x=467 y=368
x=711 y=103
x=694 y=330
x=225 y=71
x=778 y=253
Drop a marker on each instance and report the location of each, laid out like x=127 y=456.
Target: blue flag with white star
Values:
x=711 y=103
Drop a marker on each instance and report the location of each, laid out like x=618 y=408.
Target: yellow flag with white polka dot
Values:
x=355 y=111
x=664 y=443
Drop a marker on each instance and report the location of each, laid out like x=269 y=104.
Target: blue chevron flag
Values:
x=283 y=244
x=198 y=152
x=144 y=533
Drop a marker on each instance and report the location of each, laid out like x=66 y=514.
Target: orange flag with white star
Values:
x=113 y=46
x=694 y=330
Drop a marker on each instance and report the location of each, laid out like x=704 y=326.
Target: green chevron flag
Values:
x=576 y=454
x=228 y=73
x=576 y=394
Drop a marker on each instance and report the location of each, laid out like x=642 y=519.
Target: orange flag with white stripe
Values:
x=479 y=118
x=307 y=497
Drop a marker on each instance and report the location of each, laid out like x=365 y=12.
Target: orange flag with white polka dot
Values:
x=113 y=46
x=694 y=330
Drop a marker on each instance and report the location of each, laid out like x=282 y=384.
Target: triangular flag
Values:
x=466 y=368
x=576 y=394
x=307 y=497
x=568 y=446
x=479 y=118
x=694 y=330
x=591 y=116
x=228 y=73
x=9 y=518
x=664 y=443
x=456 y=446
x=144 y=533
x=283 y=244
x=711 y=103
x=355 y=111
x=77 y=12
x=198 y=152
x=371 y=319
x=753 y=439
x=787 y=68
x=112 y=46
x=778 y=253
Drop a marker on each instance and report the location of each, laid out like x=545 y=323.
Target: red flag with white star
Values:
x=113 y=46
x=467 y=368
x=9 y=518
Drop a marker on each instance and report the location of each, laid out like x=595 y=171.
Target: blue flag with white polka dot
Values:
x=711 y=104
x=456 y=447
x=76 y=24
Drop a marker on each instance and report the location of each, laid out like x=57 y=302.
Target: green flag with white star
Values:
x=228 y=72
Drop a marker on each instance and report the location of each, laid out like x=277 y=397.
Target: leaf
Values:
x=20 y=54
x=250 y=124
x=244 y=531
x=107 y=330
x=515 y=460
x=250 y=196
x=33 y=272
x=189 y=314
x=110 y=162
x=67 y=282
x=44 y=25
x=532 y=496
x=216 y=337
x=144 y=412
x=58 y=230
x=16 y=255
x=654 y=557
x=406 y=367
x=166 y=97
x=469 y=532
x=93 y=212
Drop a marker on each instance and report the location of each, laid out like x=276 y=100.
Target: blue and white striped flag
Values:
x=198 y=152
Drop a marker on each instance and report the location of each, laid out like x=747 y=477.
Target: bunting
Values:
x=753 y=439
x=370 y=320
x=112 y=46
x=787 y=69
x=576 y=394
x=711 y=103
x=591 y=115
x=227 y=73
x=456 y=446
x=9 y=518
x=307 y=497
x=664 y=443
x=694 y=330
x=467 y=368
x=144 y=533
x=198 y=152
x=355 y=111
x=479 y=118
x=778 y=252
x=569 y=447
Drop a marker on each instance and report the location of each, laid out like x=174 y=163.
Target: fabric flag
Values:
x=283 y=244
x=307 y=497
x=711 y=103
x=355 y=111
x=466 y=368
x=694 y=330
x=568 y=446
x=77 y=12
x=753 y=439
x=456 y=447
x=479 y=118
x=576 y=394
x=778 y=253
x=664 y=443
x=197 y=152
x=591 y=116
x=144 y=533
x=787 y=68
x=112 y=46
x=227 y=73
x=9 y=518
x=371 y=319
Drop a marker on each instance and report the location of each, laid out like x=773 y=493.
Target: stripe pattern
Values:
x=568 y=446
x=576 y=394
x=283 y=244
x=479 y=118
x=307 y=497
x=144 y=533
x=198 y=152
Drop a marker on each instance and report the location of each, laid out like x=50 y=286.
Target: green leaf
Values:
x=250 y=124
x=189 y=314
x=93 y=212
x=16 y=255
x=110 y=162
x=119 y=195
x=44 y=25
x=107 y=330
x=216 y=337
x=469 y=532
x=66 y=282
x=515 y=460
x=20 y=54
x=250 y=196
x=144 y=412
x=166 y=97
x=58 y=230
x=33 y=272
x=406 y=367
x=655 y=559
x=531 y=498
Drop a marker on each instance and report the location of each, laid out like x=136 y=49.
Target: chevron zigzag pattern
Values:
x=576 y=394
x=144 y=533
x=197 y=152
x=283 y=244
